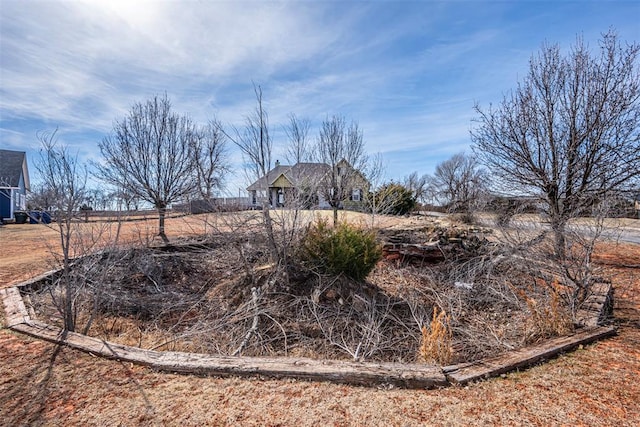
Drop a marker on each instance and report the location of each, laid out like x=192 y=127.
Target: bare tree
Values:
x=254 y=139
x=381 y=199
x=420 y=186
x=375 y=175
x=41 y=197
x=256 y=145
x=210 y=158
x=97 y=199
x=342 y=149
x=297 y=132
x=569 y=135
x=65 y=181
x=125 y=199
x=150 y=155
x=459 y=183
x=570 y=132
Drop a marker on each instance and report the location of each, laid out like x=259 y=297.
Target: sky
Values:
x=409 y=72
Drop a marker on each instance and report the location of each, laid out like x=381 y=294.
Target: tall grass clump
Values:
x=344 y=249
x=547 y=319
x=435 y=346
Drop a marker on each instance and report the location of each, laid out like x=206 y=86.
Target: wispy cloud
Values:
x=409 y=72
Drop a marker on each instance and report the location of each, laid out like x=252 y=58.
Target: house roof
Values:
x=13 y=164
x=265 y=182
x=301 y=172
x=296 y=174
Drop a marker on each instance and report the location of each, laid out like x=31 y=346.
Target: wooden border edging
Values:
x=14 y=310
x=359 y=373
x=597 y=307
x=494 y=366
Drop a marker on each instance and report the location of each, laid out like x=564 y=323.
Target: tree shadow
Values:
x=30 y=395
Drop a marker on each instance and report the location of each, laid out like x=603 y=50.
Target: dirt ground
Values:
x=43 y=384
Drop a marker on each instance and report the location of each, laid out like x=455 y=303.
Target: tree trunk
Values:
x=161 y=215
x=559 y=233
x=335 y=216
x=268 y=223
x=68 y=305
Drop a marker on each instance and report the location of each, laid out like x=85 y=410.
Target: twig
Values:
x=254 y=324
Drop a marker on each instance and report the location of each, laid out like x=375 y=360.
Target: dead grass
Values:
x=41 y=384
x=436 y=340
x=547 y=319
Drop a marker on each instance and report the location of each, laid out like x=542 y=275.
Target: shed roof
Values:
x=13 y=164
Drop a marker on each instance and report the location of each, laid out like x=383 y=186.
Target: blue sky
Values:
x=408 y=72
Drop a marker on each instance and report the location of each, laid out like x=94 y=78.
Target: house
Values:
x=306 y=184
x=14 y=183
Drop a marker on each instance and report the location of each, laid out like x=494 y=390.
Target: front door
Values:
x=280 y=197
x=5 y=204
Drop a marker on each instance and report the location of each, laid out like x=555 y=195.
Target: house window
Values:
x=356 y=195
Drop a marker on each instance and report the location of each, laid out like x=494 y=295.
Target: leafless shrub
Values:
x=461 y=185
x=64 y=179
x=201 y=296
x=362 y=325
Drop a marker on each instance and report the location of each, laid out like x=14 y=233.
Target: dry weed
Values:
x=547 y=319
x=435 y=346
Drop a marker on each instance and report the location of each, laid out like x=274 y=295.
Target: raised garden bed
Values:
x=208 y=290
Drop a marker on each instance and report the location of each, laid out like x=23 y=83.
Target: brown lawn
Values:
x=42 y=384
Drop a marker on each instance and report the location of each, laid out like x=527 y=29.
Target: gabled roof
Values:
x=296 y=175
x=302 y=172
x=13 y=164
x=265 y=182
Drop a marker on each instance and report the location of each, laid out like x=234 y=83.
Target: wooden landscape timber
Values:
x=358 y=373
x=494 y=366
x=433 y=247
x=597 y=307
x=430 y=252
x=15 y=312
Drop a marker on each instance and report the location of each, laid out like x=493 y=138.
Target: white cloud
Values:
x=409 y=72
x=58 y=56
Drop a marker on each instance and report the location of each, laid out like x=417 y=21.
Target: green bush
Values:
x=345 y=249
x=394 y=199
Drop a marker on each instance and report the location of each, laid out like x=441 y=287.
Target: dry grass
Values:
x=546 y=318
x=41 y=384
x=435 y=346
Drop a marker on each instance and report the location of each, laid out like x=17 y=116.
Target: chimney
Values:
x=277 y=163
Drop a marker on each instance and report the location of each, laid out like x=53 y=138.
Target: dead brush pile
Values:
x=207 y=297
